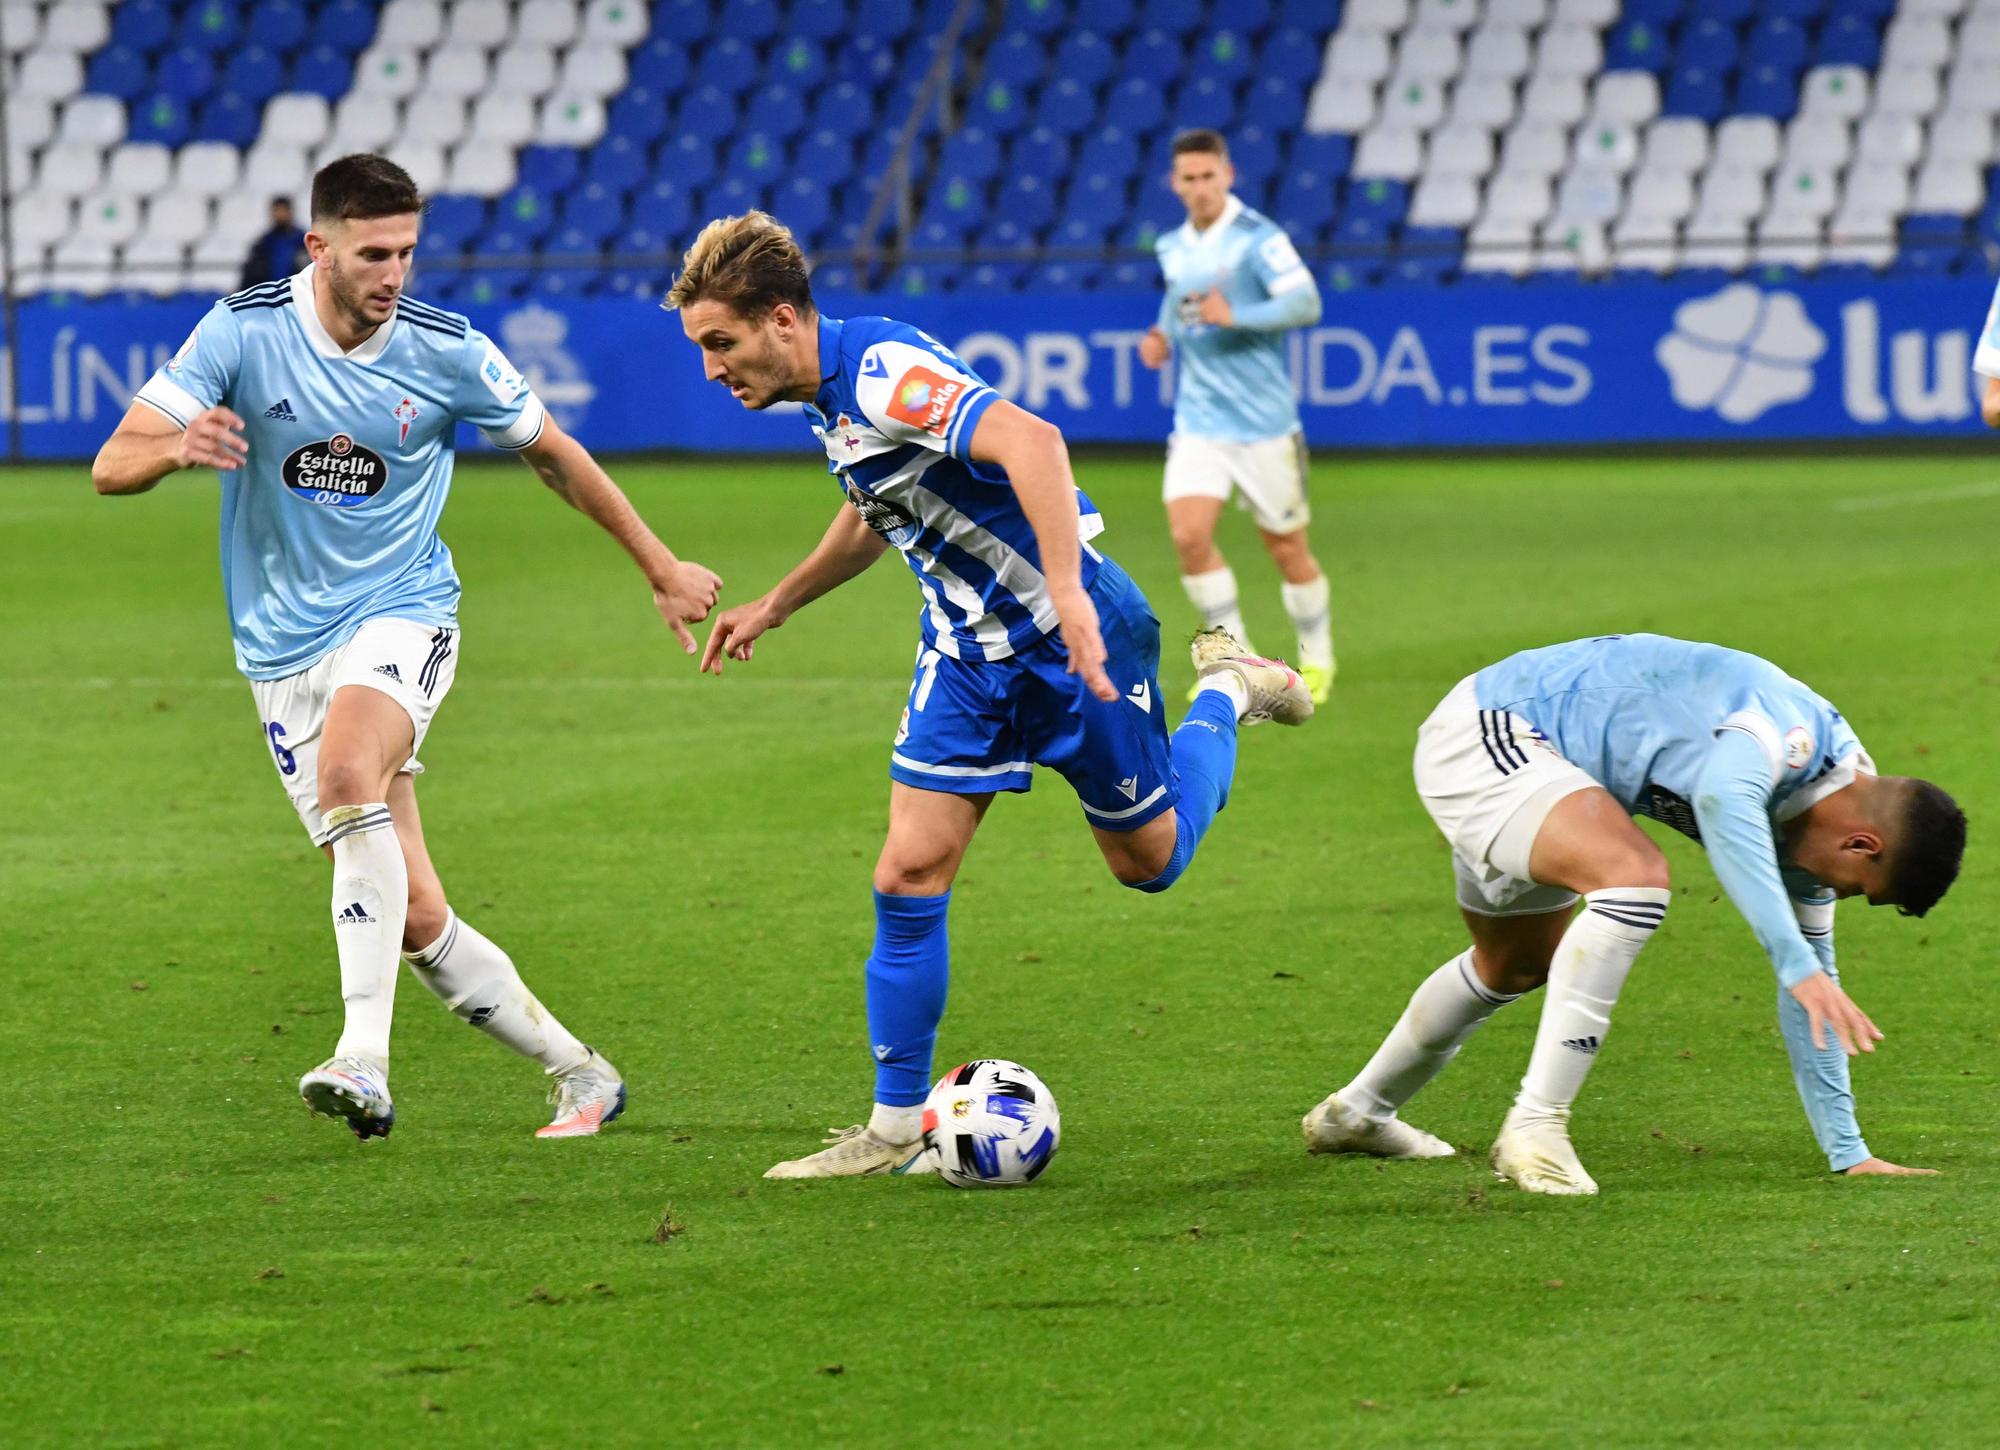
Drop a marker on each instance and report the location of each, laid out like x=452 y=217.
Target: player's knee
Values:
x=927 y=877
x=1513 y=968
x=1196 y=546
x=1640 y=863
x=347 y=782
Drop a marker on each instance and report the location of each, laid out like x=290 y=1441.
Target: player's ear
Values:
x=1864 y=843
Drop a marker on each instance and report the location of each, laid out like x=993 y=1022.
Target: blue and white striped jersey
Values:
x=332 y=519
x=1234 y=383
x=896 y=411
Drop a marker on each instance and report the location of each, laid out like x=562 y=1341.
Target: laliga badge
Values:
x=1798 y=747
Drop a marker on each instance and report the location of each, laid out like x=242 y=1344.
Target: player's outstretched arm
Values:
x=684 y=592
x=147 y=445
x=1036 y=460
x=846 y=550
x=1989 y=403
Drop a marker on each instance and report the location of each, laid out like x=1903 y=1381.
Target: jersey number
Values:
x=287 y=762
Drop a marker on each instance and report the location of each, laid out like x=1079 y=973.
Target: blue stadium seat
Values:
x=1292 y=55
x=795 y=62
x=1434 y=242
x=346 y=25
x=1016 y=60
x=1178 y=17
x=527 y=210
x=660 y=65
x=663 y=208
x=1110 y=151
x=1080 y=234
x=947 y=234
x=1708 y=44
x=1351 y=275
x=731 y=196
x=778 y=110
x=324 y=70
x=1085 y=56
x=252 y=72
x=1102 y=201
x=1254 y=17
x=1657 y=13
x=118 y=70
x=145 y=25
x=278 y=24
x=1776 y=41
x=1768 y=90
x=1155 y=57
x=870 y=60
x=1223 y=55
x=212 y=26
x=834 y=279
x=1037 y=17
x=687 y=159
x=729 y=65
x=843 y=108
x=596 y=211
x=1028 y=199
x=638 y=113
x=973 y=152
x=1421 y=269
x=885 y=20
x=758 y=156
x=1001 y=109
x=1847 y=272
x=819 y=19
x=1066 y=108
x=753 y=21
x=451 y=222
x=708 y=114
x=1850 y=40
x=1876 y=10
x=957 y=203
x=1375 y=198
x=1328 y=155
x=1932 y=229
x=227 y=116
x=996 y=277
x=1360 y=238
x=1041 y=152
x=1131 y=276
x=1695 y=92
x=1205 y=102
x=159 y=118
x=1005 y=236
x=803 y=206
x=1637 y=45
x=1254 y=152
x=185 y=74
x=1317 y=16
x=827 y=158
x=1733 y=12
x=1138 y=105
x=617 y=162
x=1155 y=212
x=1275 y=103
x=1067 y=278
x=1305 y=202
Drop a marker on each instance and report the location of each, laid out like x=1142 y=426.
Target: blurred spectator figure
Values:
x=280 y=252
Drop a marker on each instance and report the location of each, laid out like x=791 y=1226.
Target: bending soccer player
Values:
x=1235 y=287
x=1037 y=649
x=1533 y=769
x=329 y=402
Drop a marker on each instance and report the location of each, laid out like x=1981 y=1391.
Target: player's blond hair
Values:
x=750 y=263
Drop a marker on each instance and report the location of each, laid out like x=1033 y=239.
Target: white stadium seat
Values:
x=1590 y=193
x=1948 y=186
x=1520 y=14
x=109 y=215
x=155 y=263
x=1749 y=143
x=1660 y=193
x=43 y=217
x=480 y=168
x=87 y=266
x=1557 y=98
x=54 y=74
x=1338 y=106
x=1625 y=97
x=436 y=120
x=1647 y=240
x=362 y=122
x=1915 y=40
x=507 y=119
x=1429 y=55
x=81 y=26
x=1675 y=143
x=425 y=163
x=1790 y=238
x=1569 y=50
x=1961 y=136
x=1606 y=147
x=1709 y=240
x=1730 y=191
x=1417 y=105
x=1357 y=55
x=178 y=216
x=1942 y=9
x=592 y=70
x=570 y=120
x=546 y=23
x=1500 y=52
x=1895 y=140
x=92 y=121
x=1879 y=187
x=31 y=121
x=388 y=70
x=525 y=70
x=1500 y=244
x=1481 y=101
x=622 y=23
x=1834 y=90
x=242 y=216
x=1523 y=196
x=1819 y=140
x=1444 y=200
x=459 y=71
x=1458 y=150
x=272 y=169
x=1457 y=16
x=1572 y=244
x=485 y=24
x=20 y=27
x=1387 y=16
x=1540 y=148
x=68 y=169
x=1862 y=234
x=298 y=118
x=1389 y=151
x=1811 y=190
x=418 y=24
x=1906 y=91
x=1973 y=86
x=139 y=168
x=1594 y=13
x=1978 y=40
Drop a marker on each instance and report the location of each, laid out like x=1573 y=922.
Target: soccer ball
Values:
x=991 y=1124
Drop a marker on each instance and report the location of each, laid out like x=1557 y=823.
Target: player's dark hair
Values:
x=750 y=263
x=1932 y=845
x=361 y=187
x=1201 y=139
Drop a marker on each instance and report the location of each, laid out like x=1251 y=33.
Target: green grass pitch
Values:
x=681 y=866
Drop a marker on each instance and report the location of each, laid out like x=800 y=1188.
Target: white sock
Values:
x=897 y=1125
x=1590 y=966
x=1312 y=616
x=1229 y=683
x=1449 y=1007
x=371 y=896
x=478 y=982
x=1214 y=596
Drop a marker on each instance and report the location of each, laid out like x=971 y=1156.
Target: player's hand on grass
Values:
x=1833 y=1017
x=214 y=440
x=735 y=633
x=1215 y=309
x=685 y=597
x=1077 y=619
x=1154 y=348
x=1880 y=1168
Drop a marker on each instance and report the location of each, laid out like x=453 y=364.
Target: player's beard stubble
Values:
x=355 y=300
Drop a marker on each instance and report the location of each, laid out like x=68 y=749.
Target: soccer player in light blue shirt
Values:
x=1036 y=648
x=329 y=402
x=1533 y=767
x=1235 y=286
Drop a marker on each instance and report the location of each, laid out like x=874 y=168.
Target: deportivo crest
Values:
x=925 y=400
x=405 y=413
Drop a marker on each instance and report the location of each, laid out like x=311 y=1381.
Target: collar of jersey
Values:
x=322 y=341
x=829 y=356
x=1231 y=209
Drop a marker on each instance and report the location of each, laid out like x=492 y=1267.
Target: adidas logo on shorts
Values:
x=391 y=671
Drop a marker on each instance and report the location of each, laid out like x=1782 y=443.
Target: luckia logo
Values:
x=916 y=395
x=1741 y=352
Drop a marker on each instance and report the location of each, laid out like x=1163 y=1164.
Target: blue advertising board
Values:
x=1547 y=364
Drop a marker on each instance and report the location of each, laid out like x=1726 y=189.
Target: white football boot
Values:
x=354 y=1091
x=1536 y=1154
x=857 y=1153
x=586 y=1099
x=1276 y=690
x=1333 y=1127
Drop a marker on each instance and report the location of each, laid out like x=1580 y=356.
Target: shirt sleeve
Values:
x=1291 y=296
x=1821 y=1073
x=911 y=394
x=203 y=373
x=492 y=395
x=1732 y=806
x=1986 y=358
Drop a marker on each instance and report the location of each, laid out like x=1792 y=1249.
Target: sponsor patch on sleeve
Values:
x=1279 y=254
x=174 y=362
x=925 y=399
x=499 y=376
x=1798 y=747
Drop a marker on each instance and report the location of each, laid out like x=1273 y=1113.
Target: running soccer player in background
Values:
x=329 y=401
x=1036 y=649
x=1986 y=364
x=1533 y=768
x=1235 y=287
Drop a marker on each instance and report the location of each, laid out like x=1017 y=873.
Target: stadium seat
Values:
x=1460 y=153
x=1017 y=59
x=1696 y=93
x=1138 y=106
x=144 y=25
x=1849 y=40
x=435 y=119
x=1559 y=99
x=829 y=159
x=661 y=65
x=596 y=211
x=322 y=70
x=451 y=222
x=117 y=71
x=344 y=25
x=1637 y=46
x=228 y=119
x=158 y=118
x=620 y=23
x=1444 y=199
x=1389 y=151
x=1085 y=57
x=1481 y=102
x=523 y=209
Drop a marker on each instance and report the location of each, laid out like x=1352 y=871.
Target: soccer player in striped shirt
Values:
x=329 y=401
x=1533 y=768
x=1036 y=648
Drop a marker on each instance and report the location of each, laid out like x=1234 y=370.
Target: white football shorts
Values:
x=1268 y=476
x=413 y=664
x=1489 y=780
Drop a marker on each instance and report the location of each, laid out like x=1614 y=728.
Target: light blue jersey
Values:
x=896 y=412
x=332 y=519
x=1724 y=747
x=1234 y=383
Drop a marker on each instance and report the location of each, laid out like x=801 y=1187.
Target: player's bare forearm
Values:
x=133 y=462
x=844 y=552
x=1989 y=403
x=1036 y=459
x=566 y=466
x=147 y=446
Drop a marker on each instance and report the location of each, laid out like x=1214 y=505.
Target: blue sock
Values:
x=907 y=972
x=1204 y=752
